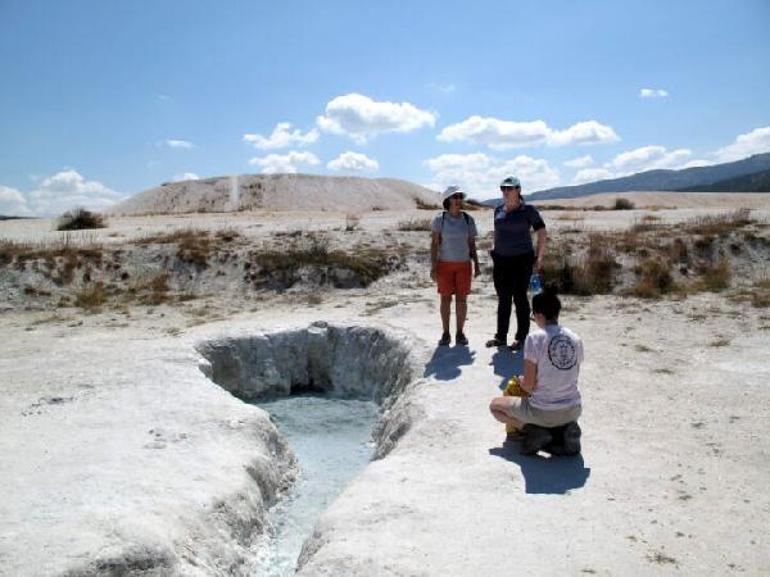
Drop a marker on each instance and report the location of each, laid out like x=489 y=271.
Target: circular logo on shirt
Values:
x=562 y=353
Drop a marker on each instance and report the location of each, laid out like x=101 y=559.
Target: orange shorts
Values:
x=453 y=278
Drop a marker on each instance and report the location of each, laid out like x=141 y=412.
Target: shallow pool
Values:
x=332 y=441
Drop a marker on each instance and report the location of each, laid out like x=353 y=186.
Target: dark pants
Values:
x=511 y=275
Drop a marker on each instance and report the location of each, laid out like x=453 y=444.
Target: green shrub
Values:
x=80 y=219
x=622 y=204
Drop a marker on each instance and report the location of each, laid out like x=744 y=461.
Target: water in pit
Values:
x=332 y=441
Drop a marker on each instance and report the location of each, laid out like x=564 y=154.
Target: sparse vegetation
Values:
x=352 y=222
x=80 y=219
x=415 y=224
x=622 y=204
x=718 y=225
x=653 y=278
x=715 y=277
x=91 y=297
x=422 y=205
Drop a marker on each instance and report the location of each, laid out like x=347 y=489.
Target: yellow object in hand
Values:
x=513 y=388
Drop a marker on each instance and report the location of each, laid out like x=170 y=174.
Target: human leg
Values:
x=520 y=275
x=461 y=300
x=444 y=308
x=500 y=407
x=504 y=290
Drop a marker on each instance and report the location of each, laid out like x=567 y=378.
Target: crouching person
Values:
x=547 y=416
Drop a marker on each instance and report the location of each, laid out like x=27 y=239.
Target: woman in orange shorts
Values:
x=452 y=250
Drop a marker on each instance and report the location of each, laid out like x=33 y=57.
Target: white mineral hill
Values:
x=278 y=192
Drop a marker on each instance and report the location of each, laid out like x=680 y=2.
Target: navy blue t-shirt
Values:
x=512 y=236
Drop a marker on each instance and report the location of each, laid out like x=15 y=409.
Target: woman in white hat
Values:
x=452 y=249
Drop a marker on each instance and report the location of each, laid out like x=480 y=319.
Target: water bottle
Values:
x=535 y=284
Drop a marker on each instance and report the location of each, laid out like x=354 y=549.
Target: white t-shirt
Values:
x=558 y=352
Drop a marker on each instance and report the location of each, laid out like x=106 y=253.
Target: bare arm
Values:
x=529 y=378
x=542 y=241
x=434 y=242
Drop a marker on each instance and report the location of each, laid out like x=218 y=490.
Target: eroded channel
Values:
x=334 y=393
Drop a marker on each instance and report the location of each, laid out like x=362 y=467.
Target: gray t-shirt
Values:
x=455 y=232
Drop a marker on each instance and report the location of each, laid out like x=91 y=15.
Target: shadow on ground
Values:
x=445 y=363
x=507 y=363
x=545 y=475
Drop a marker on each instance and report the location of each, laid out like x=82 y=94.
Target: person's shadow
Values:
x=445 y=363
x=507 y=363
x=554 y=475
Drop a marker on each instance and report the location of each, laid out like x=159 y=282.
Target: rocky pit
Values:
x=321 y=386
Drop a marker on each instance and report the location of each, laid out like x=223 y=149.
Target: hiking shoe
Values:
x=461 y=339
x=572 y=435
x=495 y=342
x=536 y=439
x=516 y=345
x=444 y=340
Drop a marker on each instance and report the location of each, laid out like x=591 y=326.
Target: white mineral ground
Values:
x=119 y=457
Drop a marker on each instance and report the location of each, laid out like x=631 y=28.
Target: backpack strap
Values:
x=466 y=218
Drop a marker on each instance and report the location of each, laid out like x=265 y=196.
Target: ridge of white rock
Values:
x=280 y=192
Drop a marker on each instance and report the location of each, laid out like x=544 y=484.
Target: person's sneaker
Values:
x=495 y=342
x=461 y=339
x=516 y=345
x=444 y=340
x=572 y=434
x=536 y=438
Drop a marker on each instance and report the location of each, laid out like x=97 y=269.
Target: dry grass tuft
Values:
x=653 y=278
x=719 y=225
x=422 y=205
x=416 y=224
x=91 y=297
x=715 y=277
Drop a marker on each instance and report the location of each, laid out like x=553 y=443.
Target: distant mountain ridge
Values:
x=755 y=182
x=693 y=179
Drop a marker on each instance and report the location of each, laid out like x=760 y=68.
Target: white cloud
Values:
x=591 y=175
x=588 y=132
x=495 y=133
x=503 y=134
x=480 y=174
x=649 y=158
x=353 y=162
x=13 y=202
x=653 y=93
x=285 y=163
x=755 y=142
x=185 y=176
x=361 y=118
x=183 y=144
x=282 y=137
x=580 y=162
x=60 y=192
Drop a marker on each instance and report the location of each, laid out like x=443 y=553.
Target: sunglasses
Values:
x=504 y=188
x=456 y=197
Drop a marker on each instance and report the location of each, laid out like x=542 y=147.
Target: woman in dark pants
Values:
x=514 y=258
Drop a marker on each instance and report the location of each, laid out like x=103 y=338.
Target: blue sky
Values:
x=102 y=99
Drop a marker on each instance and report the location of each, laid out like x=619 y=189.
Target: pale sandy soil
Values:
x=113 y=441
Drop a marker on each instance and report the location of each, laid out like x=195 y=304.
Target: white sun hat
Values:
x=451 y=191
